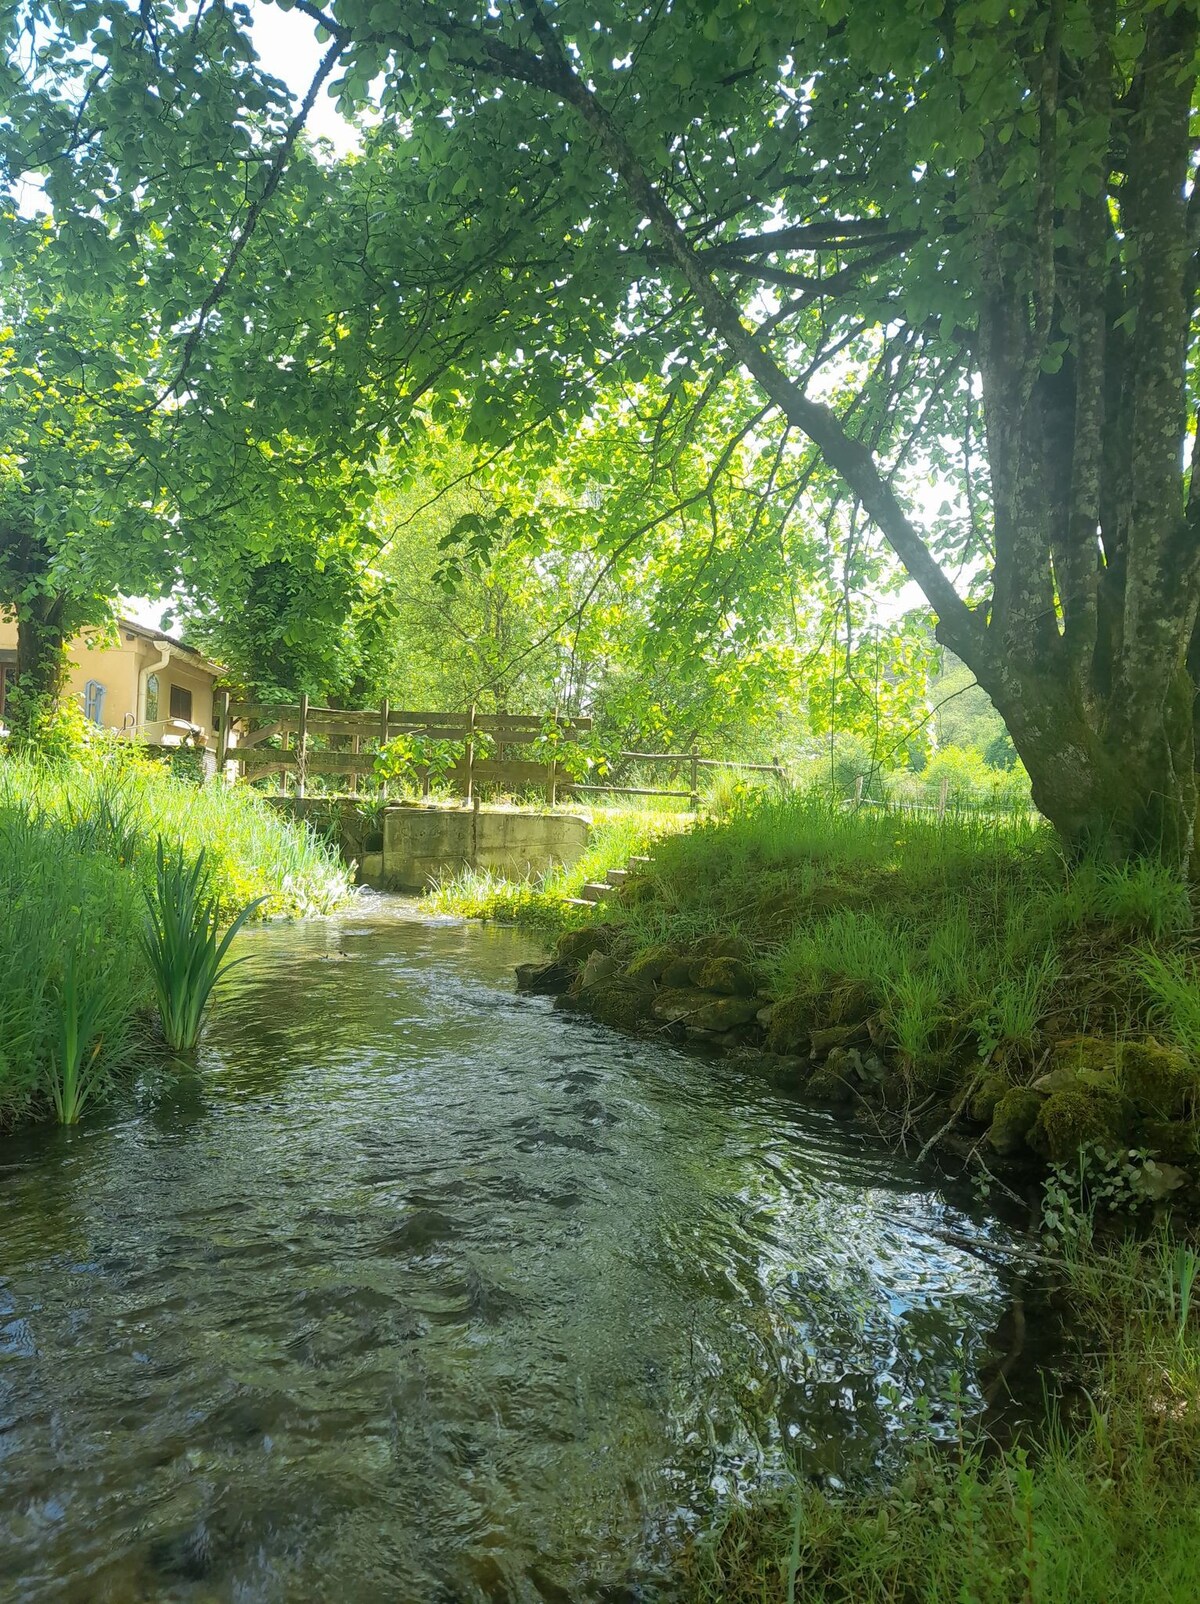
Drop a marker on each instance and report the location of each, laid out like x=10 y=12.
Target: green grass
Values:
x=77 y=858
x=1101 y=1506
x=184 y=945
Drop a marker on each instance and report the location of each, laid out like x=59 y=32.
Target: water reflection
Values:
x=416 y=1290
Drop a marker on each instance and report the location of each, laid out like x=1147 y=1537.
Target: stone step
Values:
x=595 y=891
x=617 y=877
x=579 y=902
x=639 y=858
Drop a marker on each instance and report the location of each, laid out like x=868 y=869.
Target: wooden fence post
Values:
x=858 y=790
x=695 y=757
x=385 y=711
x=302 y=747
x=943 y=791
x=356 y=748
x=222 y=733
x=471 y=757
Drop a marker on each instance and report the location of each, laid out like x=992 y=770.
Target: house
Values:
x=145 y=685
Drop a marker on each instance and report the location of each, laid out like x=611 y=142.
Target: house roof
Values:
x=147 y=633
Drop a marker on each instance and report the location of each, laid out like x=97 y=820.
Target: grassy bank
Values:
x=1102 y=1508
x=944 y=977
x=77 y=853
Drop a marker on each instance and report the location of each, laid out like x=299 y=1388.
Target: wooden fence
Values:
x=332 y=740
x=300 y=740
x=692 y=763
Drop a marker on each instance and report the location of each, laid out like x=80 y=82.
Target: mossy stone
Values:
x=724 y=947
x=848 y=1004
x=1162 y=1082
x=791 y=1021
x=983 y=1100
x=1074 y=1053
x=703 y=1010
x=829 y=1085
x=613 y=1001
x=1177 y=1140
x=678 y=973
x=577 y=946
x=1013 y=1118
x=1079 y=1114
x=728 y=975
x=648 y=967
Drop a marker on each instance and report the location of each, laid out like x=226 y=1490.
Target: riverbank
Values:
x=950 y=982
x=77 y=853
x=955 y=987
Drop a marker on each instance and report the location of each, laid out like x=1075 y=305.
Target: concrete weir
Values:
x=424 y=844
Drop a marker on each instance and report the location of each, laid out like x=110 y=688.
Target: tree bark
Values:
x=41 y=668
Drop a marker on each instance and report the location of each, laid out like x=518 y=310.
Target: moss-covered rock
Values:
x=724 y=947
x=1013 y=1118
x=1073 y=1053
x=1162 y=1082
x=728 y=975
x=1177 y=1140
x=830 y=1083
x=613 y=1001
x=577 y=946
x=648 y=967
x=599 y=966
x=791 y=1021
x=981 y=1105
x=703 y=1010
x=678 y=973
x=1078 y=1114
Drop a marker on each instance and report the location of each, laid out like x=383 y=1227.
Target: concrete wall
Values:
x=424 y=844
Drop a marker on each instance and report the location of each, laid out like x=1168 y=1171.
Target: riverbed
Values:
x=414 y=1290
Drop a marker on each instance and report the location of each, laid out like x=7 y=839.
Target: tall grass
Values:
x=184 y=944
x=77 y=855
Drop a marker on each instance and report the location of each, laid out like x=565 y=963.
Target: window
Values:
x=152 y=699
x=93 y=701
x=181 y=703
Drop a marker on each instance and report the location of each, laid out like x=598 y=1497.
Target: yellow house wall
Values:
x=118 y=668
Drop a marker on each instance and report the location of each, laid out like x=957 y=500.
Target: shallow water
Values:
x=416 y=1290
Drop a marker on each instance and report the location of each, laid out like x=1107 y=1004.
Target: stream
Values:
x=414 y=1290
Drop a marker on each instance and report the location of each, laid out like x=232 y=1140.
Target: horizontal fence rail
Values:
x=301 y=740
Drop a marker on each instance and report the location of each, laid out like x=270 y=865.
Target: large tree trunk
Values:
x=41 y=668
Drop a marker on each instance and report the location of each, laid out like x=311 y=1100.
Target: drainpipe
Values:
x=143 y=676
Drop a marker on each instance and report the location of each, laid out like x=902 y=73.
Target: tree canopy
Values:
x=931 y=240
